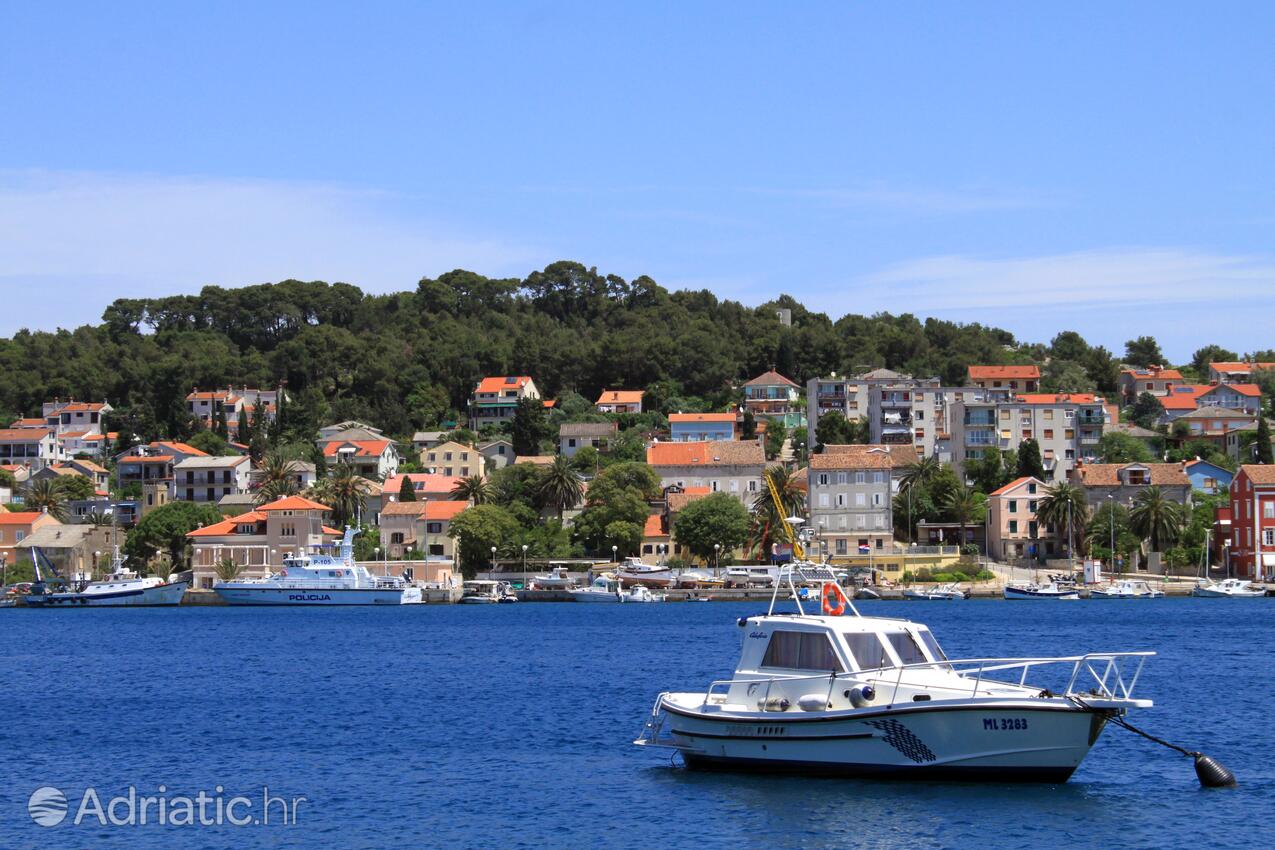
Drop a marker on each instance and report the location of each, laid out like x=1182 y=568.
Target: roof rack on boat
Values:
x=808 y=573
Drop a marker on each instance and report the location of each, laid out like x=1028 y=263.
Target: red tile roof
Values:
x=1153 y=373
x=180 y=448
x=770 y=379
x=620 y=397
x=719 y=453
x=1239 y=368
x=1259 y=473
x=982 y=373
x=501 y=383
x=436 y=511
x=855 y=457
x=363 y=448
x=1185 y=397
x=228 y=526
x=1058 y=398
x=1251 y=390
x=422 y=482
x=1017 y=482
x=34 y=422
x=22 y=435
x=20 y=517
x=654 y=526
x=293 y=503
x=1108 y=474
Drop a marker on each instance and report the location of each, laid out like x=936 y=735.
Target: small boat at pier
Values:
x=122 y=588
x=1052 y=589
x=1129 y=588
x=634 y=571
x=941 y=593
x=1230 y=588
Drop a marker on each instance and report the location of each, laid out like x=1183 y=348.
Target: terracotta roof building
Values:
x=720 y=466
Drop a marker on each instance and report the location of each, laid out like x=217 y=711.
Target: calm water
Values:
x=509 y=726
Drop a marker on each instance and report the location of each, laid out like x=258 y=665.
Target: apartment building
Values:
x=210 y=479
x=850 y=499
x=734 y=467
x=700 y=427
x=1252 y=508
x=495 y=399
x=1156 y=380
x=1068 y=428
x=1013 y=529
x=619 y=401
x=1005 y=382
x=774 y=397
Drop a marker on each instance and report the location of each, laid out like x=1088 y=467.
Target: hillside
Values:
x=406 y=359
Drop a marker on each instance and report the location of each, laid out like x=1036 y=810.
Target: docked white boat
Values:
x=635 y=571
x=307 y=579
x=869 y=696
x=941 y=593
x=1129 y=588
x=603 y=589
x=481 y=593
x=122 y=588
x=1048 y=590
x=557 y=578
x=698 y=578
x=751 y=577
x=638 y=593
x=1231 y=588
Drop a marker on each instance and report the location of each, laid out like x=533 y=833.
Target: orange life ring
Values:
x=834 y=602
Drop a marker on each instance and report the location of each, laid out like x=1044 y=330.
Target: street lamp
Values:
x=615 y=557
x=524 y=566
x=717 y=556
x=376 y=555
x=493 y=558
x=97 y=559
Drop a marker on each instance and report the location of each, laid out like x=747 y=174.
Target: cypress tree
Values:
x=220 y=428
x=1264 y=452
x=406 y=493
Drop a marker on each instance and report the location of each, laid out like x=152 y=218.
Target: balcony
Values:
x=975 y=421
x=980 y=439
x=1090 y=419
x=1089 y=438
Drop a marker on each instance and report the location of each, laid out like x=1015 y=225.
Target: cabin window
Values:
x=906 y=647
x=801 y=651
x=932 y=645
x=867 y=650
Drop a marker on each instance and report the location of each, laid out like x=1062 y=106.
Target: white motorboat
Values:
x=634 y=571
x=638 y=593
x=698 y=578
x=866 y=592
x=603 y=589
x=122 y=588
x=1230 y=588
x=750 y=577
x=480 y=593
x=843 y=694
x=1129 y=588
x=557 y=578
x=505 y=593
x=941 y=593
x=307 y=579
x=1047 y=590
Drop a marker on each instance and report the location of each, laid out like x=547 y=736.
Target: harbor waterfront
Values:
x=511 y=726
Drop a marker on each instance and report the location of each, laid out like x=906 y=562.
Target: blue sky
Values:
x=1101 y=167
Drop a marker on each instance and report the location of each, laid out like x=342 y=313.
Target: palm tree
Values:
x=345 y=492
x=560 y=487
x=1065 y=508
x=767 y=516
x=1156 y=519
x=49 y=496
x=228 y=569
x=472 y=489
x=275 y=478
x=920 y=473
x=964 y=505
x=97 y=518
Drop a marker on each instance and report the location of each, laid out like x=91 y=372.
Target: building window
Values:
x=396 y=537
x=860 y=477
x=1268 y=510
x=433 y=528
x=752 y=486
x=1013 y=506
x=823 y=479
x=1013 y=526
x=841 y=546
x=842 y=478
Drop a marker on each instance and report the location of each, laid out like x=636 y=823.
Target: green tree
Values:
x=212 y=443
x=1263 y=451
x=220 y=427
x=989 y=472
x=47 y=495
x=1156 y=519
x=1143 y=351
x=406 y=491
x=275 y=478
x=345 y=492
x=471 y=489
x=799 y=436
x=1202 y=357
x=619 y=494
x=530 y=427
x=965 y=506
x=1119 y=447
x=243 y=431
x=76 y=487
x=748 y=428
x=427 y=404
x=776 y=435
x=560 y=486
x=1107 y=520
x=1066 y=376
x=768 y=518
x=1147 y=410
x=1065 y=508
x=164 y=530
x=718 y=519
x=477 y=530
x=1030 y=464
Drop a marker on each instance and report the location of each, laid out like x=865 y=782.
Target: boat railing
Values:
x=1109 y=675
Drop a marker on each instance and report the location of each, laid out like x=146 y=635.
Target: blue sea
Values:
x=510 y=726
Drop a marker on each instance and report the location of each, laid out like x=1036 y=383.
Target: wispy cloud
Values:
x=98 y=236
x=1113 y=276
x=925 y=201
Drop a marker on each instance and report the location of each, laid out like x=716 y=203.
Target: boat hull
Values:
x=142 y=597
x=583 y=596
x=316 y=597
x=999 y=743
x=661 y=579
x=1023 y=593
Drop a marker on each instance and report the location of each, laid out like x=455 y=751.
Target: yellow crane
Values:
x=798 y=552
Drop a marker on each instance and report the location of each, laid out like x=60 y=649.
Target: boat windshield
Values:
x=868 y=651
x=906 y=647
x=931 y=644
x=801 y=651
